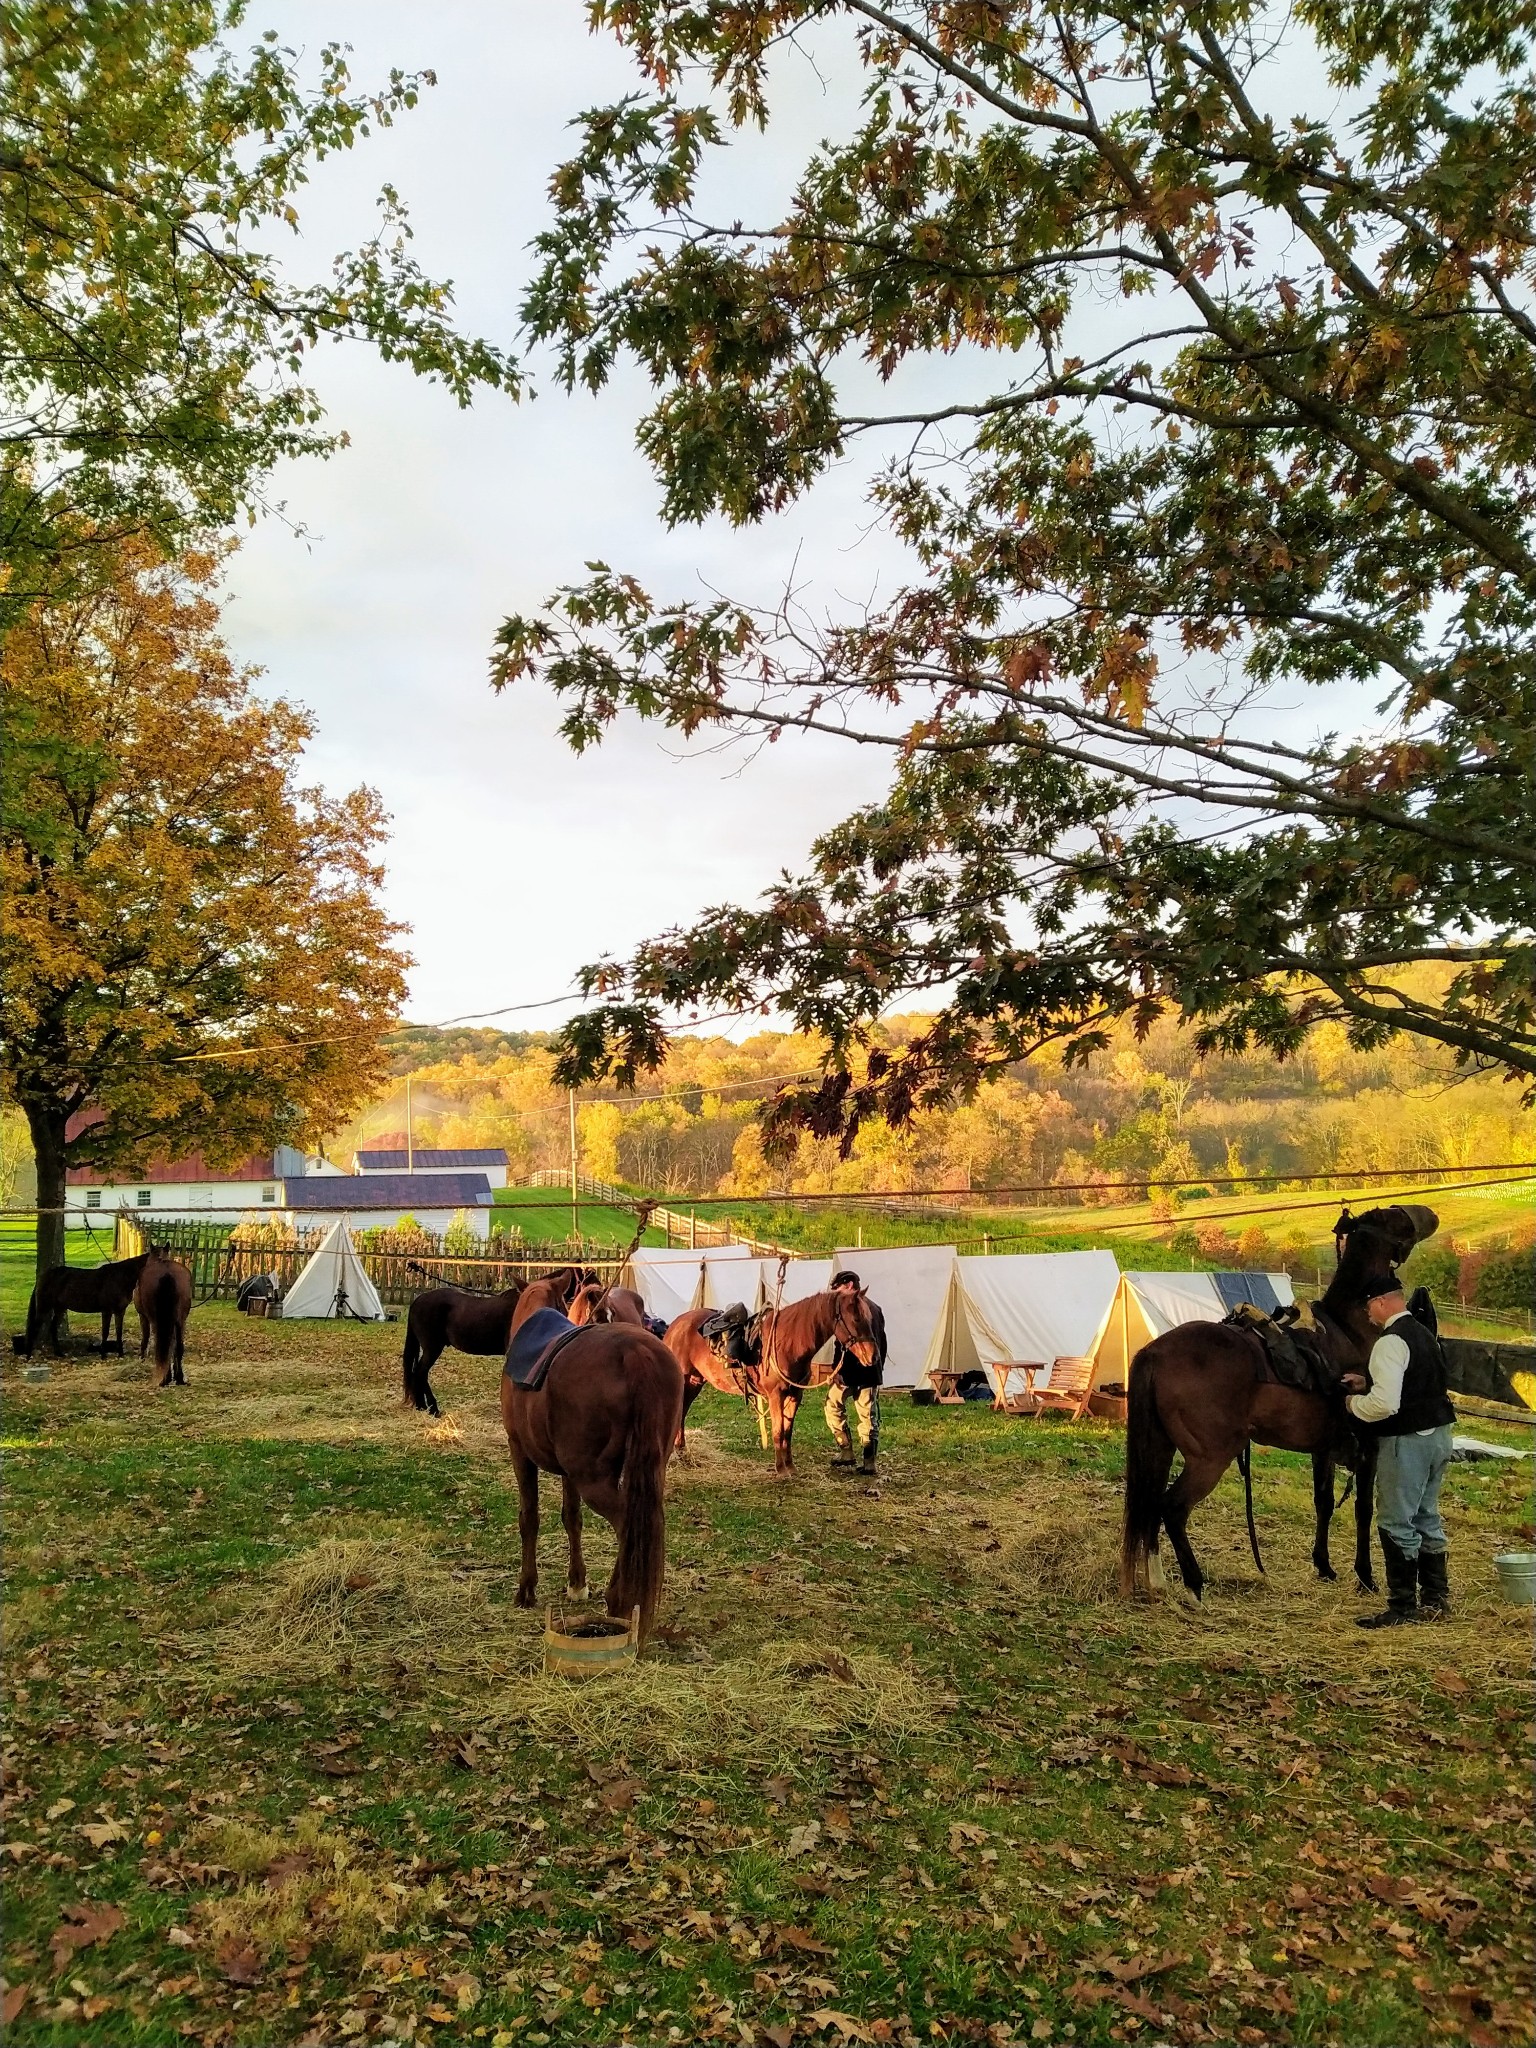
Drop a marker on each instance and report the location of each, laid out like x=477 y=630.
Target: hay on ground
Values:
x=364 y=1605
x=764 y=1705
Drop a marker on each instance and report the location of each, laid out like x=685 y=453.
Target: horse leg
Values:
x=763 y=1413
x=143 y=1335
x=1186 y=1493
x=570 y=1515
x=527 y=1476
x=181 y=1350
x=1365 y=1504
x=106 y=1332
x=425 y=1398
x=779 y=1432
x=693 y=1386
x=1323 y=1504
x=790 y=1409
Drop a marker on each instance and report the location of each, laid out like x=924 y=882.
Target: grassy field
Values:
x=544 y=1218
x=899 y=1766
x=18 y=1254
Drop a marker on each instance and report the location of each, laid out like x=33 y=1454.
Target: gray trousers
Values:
x=866 y=1407
x=1409 y=1470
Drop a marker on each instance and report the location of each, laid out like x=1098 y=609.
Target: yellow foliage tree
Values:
x=193 y=943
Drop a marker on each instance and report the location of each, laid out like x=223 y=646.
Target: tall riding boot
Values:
x=1434 y=1584
x=1402 y=1588
x=867 y=1463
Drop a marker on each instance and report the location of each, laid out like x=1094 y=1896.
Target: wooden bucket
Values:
x=589 y=1645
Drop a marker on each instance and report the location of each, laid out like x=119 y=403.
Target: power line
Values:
x=1070 y=1187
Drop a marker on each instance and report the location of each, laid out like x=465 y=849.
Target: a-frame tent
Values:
x=334 y=1283
x=1147 y=1304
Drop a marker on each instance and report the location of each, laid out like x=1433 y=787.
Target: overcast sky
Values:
x=513 y=861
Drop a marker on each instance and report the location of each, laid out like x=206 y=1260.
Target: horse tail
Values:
x=1245 y=1466
x=34 y=1317
x=653 y=1428
x=164 y=1314
x=1148 y=1461
x=410 y=1358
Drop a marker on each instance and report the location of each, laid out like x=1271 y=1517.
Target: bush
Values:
x=1437 y=1267
x=1507 y=1281
x=461 y=1240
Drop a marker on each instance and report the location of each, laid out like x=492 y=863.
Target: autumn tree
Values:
x=151 y=371
x=193 y=942
x=1210 y=691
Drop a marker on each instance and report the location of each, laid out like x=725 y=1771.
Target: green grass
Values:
x=1248 y=1823
x=18 y=1257
x=544 y=1218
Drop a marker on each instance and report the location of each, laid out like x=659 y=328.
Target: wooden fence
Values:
x=681 y=1226
x=401 y=1264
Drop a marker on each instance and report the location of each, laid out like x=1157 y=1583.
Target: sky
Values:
x=514 y=861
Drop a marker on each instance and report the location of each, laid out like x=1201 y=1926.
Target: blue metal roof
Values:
x=428 y=1157
x=341 y=1191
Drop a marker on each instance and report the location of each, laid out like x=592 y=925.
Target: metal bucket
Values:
x=589 y=1645
x=1517 y=1576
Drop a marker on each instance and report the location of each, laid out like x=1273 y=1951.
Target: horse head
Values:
x=563 y=1284
x=852 y=1324
x=1373 y=1245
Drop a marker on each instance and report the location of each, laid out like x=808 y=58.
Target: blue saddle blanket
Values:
x=534 y=1345
x=1255 y=1288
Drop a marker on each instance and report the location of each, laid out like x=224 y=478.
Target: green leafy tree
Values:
x=151 y=368
x=1245 y=376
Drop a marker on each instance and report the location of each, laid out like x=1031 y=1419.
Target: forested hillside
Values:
x=1136 y=1112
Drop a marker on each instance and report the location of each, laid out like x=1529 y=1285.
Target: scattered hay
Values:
x=764 y=1705
x=363 y=1605
x=1074 y=1556
x=309 y=1886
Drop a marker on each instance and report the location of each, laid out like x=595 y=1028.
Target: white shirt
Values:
x=1388 y=1362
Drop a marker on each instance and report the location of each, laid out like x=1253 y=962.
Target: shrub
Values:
x=1507 y=1280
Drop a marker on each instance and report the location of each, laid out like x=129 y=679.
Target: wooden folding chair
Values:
x=1070 y=1390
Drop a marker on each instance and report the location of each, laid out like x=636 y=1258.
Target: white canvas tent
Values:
x=1030 y=1307
x=1147 y=1304
x=334 y=1271
x=912 y=1284
x=708 y=1276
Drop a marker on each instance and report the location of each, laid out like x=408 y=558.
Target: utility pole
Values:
x=570 y=1095
x=410 y=1130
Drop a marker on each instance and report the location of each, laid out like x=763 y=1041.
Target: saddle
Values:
x=1294 y=1347
x=535 y=1346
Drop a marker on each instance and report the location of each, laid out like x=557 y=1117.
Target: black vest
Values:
x=1424 y=1403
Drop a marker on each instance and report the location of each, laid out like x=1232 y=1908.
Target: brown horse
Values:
x=774 y=1364
x=102 y=1290
x=480 y=1324
x=604 y=1421
x=1200 y=1390
x=163 y=1299
x=724 y=1362
x=595 y=1303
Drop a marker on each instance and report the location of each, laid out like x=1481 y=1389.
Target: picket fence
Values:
x=399 y=1263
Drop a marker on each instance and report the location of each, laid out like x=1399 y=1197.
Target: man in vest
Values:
x=858 y=1383
x=1405 y=1406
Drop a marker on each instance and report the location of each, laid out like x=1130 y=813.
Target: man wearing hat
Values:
x=860 y=1383
x=1404 y=1405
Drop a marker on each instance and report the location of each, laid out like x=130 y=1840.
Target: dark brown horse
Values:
x=163 y=1299
x=604 y=1421
x=477 y=1323
x=96 y=1290
x=774 y=1363
x=1199 y=1390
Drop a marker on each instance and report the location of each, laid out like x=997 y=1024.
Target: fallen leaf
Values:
x=803 y=1840
x=1450 y=1681
x=850 y=2028
x=84 y=1925
x=808 y=1944
x=777 y=1789
x=238 y=1962
x=1131 y=1969
x=178 y=1937
x=962 y=1834
x=838 y=1823
x=466 y=1989
x=780 y=2036
x=100 y=1832
x=283 y=1870
x=60 y=1807
x=619 y=1794
x=17 y=1995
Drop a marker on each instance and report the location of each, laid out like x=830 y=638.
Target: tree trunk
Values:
x=47 y=1123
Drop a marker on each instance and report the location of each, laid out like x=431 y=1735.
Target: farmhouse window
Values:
x=145 y=1196
x=93 y=1198
x=269 y=1194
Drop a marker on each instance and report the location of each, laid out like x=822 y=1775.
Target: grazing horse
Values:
x=604 y=1420
x=163 y=1299
x=104 y=1290
x=1200 y=1390
x=780 y=1345
x=480 y=1324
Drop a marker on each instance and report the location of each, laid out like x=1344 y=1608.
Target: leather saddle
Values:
x=535 y=1346
x=1294 y=1345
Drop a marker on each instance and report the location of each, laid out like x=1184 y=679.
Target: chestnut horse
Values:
x=604 y=1421
x=480 y=1324
x=163 y=1299
x=702 y=1361
x=1200 y=1390
x=102 y=1290
x=595 y=1303
x=775 y=1363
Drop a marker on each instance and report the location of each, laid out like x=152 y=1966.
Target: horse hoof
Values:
x=524 y=1596
x=1326 y=1571
x=581 y=1592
